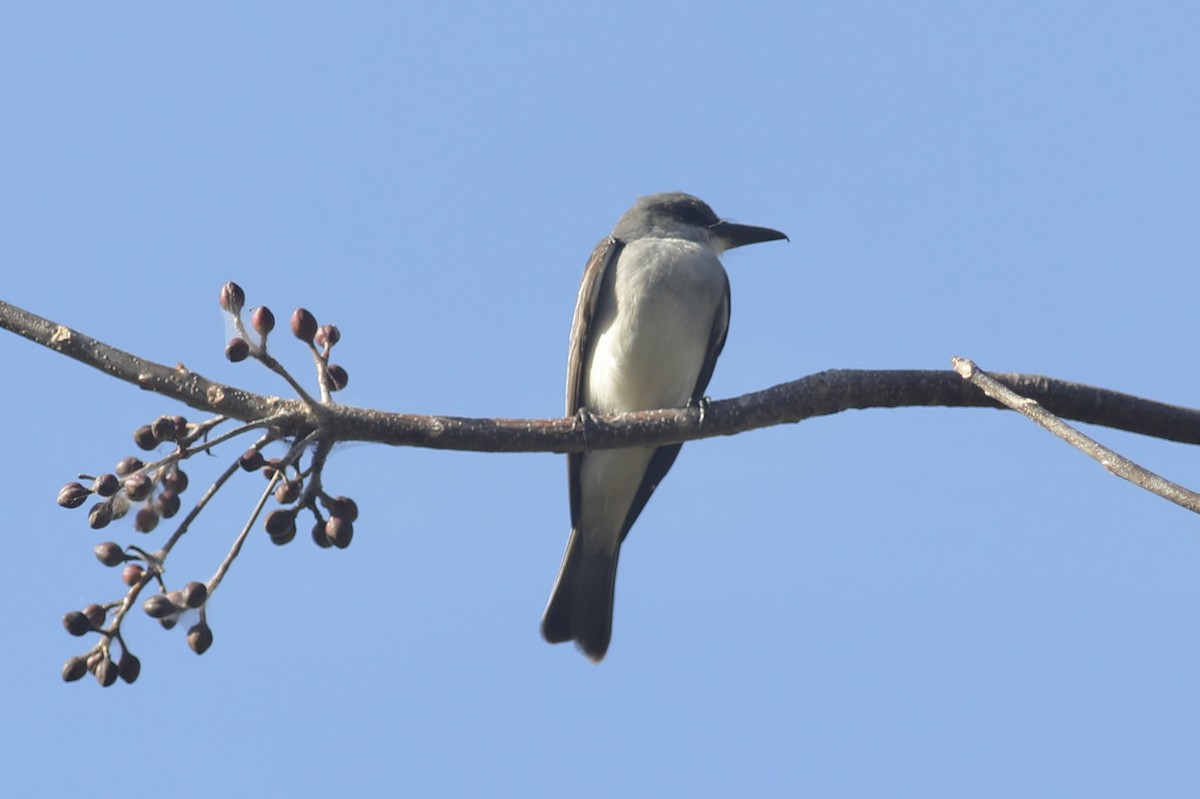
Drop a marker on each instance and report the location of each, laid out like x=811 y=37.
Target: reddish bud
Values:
x=328 y=335
x=159 y=607
x=106 y=485
x=164 y=428
x=72 y=495
x=318 y=535
x=251 y=459
x=338 y=378
x=181 y=428
x=74 y=668
x=100 y=515
x=199 y=638
x=144 y=437
x=287 y=537
x=281 y=524
x=138 y=487
x=109 y=553
x=237 y=350
x=129 y=667
x=195 y=594
x=232 y=298
x=176 y=480
x=344 y=507
x=145 y=520
x=263 y=320
x=287 y=492
x=132 y=573
x=304 y=324
x=106 y=672
x=95 y=615
x=127 y=466
x=339 y=531
x=76 y=623
x=166 y=504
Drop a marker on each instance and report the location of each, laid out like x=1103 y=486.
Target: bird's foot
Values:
x=583 y=418
x=702 y=404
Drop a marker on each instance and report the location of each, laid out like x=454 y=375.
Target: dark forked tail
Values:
x=581 y=605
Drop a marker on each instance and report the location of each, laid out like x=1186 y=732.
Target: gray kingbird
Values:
x=649 y=324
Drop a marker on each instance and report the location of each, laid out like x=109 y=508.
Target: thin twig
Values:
x=1117 y=464
x=234 y=433
x=293 y=453
x=275 y=366
x=231 y=556
x=230 y=470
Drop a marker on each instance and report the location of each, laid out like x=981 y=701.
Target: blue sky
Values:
x=882 y=603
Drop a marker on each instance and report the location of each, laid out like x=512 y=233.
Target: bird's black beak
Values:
x=730 y=234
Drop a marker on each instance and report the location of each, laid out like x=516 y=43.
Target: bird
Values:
x=649 y=323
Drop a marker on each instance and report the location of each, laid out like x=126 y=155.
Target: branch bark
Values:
x=820 y=394
x=1112 y=461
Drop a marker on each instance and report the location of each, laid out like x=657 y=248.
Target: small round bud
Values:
x=232 y=298
x=145 y=520
x=284 y=539
x=263 y=320
x=272 y=466
x=167 y=503
x=339 y=531
x=94 y=660
x=176 y=599
x=95 y=615
x=76 y=623
x=344 y=507
x=132 y=573
x=164 y=428
x=72 y=495
x=169 y=622
x=144 y=437
x=304 y=324
x=106 y=485
x=106 y=672
x=127 y=466
x=74 y=668
x=237 y=350
x=181 y=428
x=159 y=607
x=100 y=515
x=199 y=638
x=281 y=525
x=195 y=594
x=138 y=486
x=318 y=535
x=328 y=335
x=176 y=480
x=109 y=553
x=251 y=459
x=338 y=378
x=287 y=492
x=129 y=667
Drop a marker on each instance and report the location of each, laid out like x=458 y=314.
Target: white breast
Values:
x=654 y=320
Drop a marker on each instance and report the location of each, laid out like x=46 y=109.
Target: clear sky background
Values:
x=923 y=602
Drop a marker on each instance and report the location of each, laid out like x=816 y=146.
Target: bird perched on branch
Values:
x=650 y=321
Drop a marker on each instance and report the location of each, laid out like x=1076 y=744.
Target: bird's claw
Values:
x=583 y=418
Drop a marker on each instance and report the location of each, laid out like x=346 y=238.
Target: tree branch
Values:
x=149 y=492
x=820 y=394
x=1115 y=463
